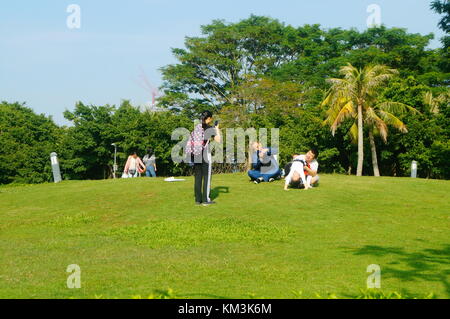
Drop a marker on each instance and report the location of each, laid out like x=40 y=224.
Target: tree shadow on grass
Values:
x=423 y=265
x=217 y=190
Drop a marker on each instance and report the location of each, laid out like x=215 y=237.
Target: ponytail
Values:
x=203 y=117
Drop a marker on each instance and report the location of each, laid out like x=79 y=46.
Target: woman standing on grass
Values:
x=150 y=163
x=200 y=154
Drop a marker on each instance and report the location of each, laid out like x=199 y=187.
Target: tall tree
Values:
x=377 y=119
x=356 y=96
x=213 y=65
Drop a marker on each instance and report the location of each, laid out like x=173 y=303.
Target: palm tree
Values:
x=377 y=119
x=356 y=96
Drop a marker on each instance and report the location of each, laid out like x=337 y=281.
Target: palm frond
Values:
x=373 y=118
x=434 y=102
x=395 y=107
x=353 y=132
x=346 y=111
x=391 y=119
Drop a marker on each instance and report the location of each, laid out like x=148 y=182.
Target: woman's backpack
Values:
x=195 y=143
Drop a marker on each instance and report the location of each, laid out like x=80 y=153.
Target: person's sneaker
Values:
x=198 y=203
x=271 y=179
x=208 y=203
x=258 y=180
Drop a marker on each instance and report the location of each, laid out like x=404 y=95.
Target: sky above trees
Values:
x=50 y=67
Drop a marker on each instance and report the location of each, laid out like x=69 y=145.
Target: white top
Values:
x=314 y=165
x=132 y=163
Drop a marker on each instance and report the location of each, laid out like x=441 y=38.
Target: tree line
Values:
x=344 y=91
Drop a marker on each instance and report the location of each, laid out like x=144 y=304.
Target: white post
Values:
x=413 y=169
x=115 y=162
x=55 y=167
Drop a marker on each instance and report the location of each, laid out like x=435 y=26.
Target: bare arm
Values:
x=217 y=137
x=310 y=171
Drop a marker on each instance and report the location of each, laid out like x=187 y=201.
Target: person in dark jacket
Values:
x=264 y=166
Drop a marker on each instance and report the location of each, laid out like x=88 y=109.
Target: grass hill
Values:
x=143 y=236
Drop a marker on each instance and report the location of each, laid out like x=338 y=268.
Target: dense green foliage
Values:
x=88 y=152
x=261 y=73
x=26 y=141
x=258 y=72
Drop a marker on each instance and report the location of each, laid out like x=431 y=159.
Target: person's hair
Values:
x=251 y=150
x=315 y=152
x=150 y=152
x=252 y=145
x=203 y=117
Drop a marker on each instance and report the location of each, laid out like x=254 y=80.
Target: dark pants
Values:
x=255 y=174
x=202 y=174
x=287 y=169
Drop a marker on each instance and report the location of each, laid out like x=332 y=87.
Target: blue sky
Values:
x=50 y=67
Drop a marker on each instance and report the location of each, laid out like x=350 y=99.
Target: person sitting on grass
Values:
x=302 y=171
x=134 y=166
x=264 y=166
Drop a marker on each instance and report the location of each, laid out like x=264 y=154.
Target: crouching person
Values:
x=302 y=171
x=263 y=163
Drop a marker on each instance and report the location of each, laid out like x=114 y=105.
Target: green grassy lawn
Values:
x=140 y=236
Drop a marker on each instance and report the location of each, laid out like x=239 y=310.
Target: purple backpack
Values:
x=195 y=142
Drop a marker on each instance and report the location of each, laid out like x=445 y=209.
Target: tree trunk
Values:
x=376 y=171
x=359 y=168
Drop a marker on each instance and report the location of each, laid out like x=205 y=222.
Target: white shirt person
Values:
x=301 y=164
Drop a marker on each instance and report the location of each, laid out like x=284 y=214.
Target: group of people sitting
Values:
x=301 y=172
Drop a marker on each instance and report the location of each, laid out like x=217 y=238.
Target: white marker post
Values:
x=55 y=167
x=413 y=169
x=115 y=160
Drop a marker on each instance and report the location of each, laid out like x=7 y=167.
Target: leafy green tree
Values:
x=213 y=65
x=26 y=141
x=428 y=133
x=88 y=149
x=442 y=7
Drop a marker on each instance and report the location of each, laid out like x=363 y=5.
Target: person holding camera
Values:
x=198 y=149
x=263 y=164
